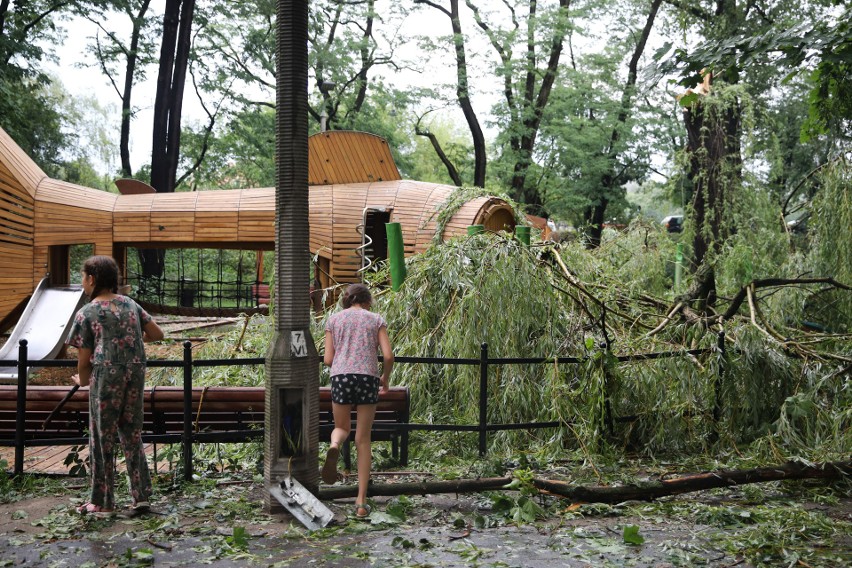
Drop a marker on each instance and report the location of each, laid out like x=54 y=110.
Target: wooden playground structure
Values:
x=355 y=188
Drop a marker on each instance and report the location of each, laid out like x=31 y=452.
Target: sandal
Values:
x=365 y=507
x=329 y=468
x=141 y=507
x=95 y=510
x=137 y=509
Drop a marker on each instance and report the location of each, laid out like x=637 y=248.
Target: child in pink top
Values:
x=353 y=338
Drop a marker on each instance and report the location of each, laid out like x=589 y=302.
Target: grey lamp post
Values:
x=292 y=364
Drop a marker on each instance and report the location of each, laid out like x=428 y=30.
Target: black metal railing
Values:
x=188 y=364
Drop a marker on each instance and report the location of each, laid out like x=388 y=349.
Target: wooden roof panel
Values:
x=337 y=157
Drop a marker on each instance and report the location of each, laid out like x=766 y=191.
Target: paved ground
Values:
x=225 y=526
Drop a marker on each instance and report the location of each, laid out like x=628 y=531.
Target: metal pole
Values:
x=483 y=398
x=187 y=411
x=21 y=408
x=396 y=255
x=522 y=233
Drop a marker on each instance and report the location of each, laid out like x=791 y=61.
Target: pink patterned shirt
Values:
x=355 y=334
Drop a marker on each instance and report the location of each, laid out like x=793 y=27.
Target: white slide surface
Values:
x=44 y=324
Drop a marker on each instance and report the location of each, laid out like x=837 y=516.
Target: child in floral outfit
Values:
x=108 y=333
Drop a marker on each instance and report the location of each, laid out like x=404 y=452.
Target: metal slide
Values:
x=44 y=324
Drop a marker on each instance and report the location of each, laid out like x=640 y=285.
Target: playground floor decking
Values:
x=50 y=460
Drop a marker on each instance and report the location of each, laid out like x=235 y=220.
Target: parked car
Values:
x=673 y=223
x=798 y=226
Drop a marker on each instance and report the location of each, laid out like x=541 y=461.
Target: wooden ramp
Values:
x=51 y=459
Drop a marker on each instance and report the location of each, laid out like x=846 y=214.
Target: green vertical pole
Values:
x=522 y=233
x=678 y=266
x=396 y=255
x=475 y=229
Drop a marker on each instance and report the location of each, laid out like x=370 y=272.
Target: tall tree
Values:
x=527 y=93
x=713 y=116
x=613 y=178
x=797 y=48
x=463 y=88
x=597 y=132
x=168 y=106
x=345 y=49
x=168 y=101
x=28 y=31
x=124 y=62
x=348 y=42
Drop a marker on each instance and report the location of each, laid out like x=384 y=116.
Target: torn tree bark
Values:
x=645 y=491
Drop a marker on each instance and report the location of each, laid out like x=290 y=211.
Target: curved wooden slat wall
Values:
x=37 y=213
x=19 y=178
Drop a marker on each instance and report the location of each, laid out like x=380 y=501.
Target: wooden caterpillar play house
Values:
x=355 y=188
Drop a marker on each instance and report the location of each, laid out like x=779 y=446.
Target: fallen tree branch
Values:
x=698 y=482
x=645 y=491
x=741 y=296
x=666 y=320
x=418 y=487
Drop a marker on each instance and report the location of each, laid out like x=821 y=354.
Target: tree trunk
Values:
x=168 y=104
x=366 y=59
x=645 y=491
x=595 y=215
x=129 y=74
x=463 y=95
x=715 y=169
x=533 y=106
x=463 y=90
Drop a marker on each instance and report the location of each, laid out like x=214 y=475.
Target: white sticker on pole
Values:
x=298 y=345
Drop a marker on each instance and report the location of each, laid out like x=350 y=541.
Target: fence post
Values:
x=483 y=398
x=717 y=405
x=21 y=407
x=187 y=411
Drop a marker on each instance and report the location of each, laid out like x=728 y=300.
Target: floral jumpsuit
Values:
x=112 y=329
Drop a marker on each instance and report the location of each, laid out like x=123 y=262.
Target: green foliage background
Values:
x=772 y=402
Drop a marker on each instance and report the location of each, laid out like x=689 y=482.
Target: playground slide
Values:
x=44 y=324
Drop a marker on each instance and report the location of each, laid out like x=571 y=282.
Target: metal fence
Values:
x=188 y=364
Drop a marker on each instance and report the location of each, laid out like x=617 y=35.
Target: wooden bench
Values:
x=227 y=414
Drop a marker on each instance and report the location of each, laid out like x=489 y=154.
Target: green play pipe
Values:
x=522 y=233
x=396 y=255
x=475 y=229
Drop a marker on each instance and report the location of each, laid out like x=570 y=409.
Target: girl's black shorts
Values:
x=355 y=389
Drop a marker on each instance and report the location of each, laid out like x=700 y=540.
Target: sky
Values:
x=88 y=81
